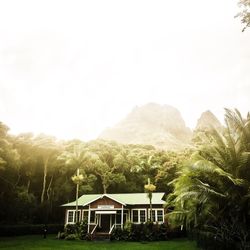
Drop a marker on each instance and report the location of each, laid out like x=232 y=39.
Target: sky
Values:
x=72 y=68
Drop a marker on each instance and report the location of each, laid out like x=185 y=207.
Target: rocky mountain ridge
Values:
x=159 y=125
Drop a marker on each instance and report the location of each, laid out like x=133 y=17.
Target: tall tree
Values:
x=77 y=179
x=150 y=188
x=245 y=13
x=213 y=189
x=106 y=163
x=28 y=160
x=9 y=159
x=46 y=148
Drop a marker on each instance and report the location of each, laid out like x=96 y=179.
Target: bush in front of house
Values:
x=70 y=229
x=140 y=232
x=71 y=237
x=79 y=230
x=117 y=234
x=131 y=232
x=82 y=230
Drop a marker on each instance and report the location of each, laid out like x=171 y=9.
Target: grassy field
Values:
x=38 y=243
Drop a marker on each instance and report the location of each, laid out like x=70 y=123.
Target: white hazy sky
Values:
x=72 y=68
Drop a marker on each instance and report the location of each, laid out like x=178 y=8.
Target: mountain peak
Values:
x=208 y=120
x=159 y=125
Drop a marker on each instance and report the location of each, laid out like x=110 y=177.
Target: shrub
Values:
x=162 y=232
x=82 y=229
x=88 y=237
x=71 y=237
x=70 y=229
x=128 y=226
x=149 y=231
x=142 y=232
x=61 y=235
x=117 y=234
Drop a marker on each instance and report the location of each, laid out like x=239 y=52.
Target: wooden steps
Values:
x=101 y=236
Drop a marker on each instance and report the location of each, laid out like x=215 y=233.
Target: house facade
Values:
x=108 y=211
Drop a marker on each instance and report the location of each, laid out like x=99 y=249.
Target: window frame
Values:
x=139 y=215
x=84 y=211
x=74 y=216
x=92 y=222
x=155 y=217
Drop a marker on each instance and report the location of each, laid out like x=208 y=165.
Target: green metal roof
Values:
x=126 y=199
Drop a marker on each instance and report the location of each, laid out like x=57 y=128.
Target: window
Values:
x=118 y=217
x=153 y=214
x=85 y=215
x=138 y=215
x=157 y=215
x=142 y=216
x=135 y=216
x=125 y=216
x=79 y=216
x=70 y=217
x=160 y=215
x=92 y=216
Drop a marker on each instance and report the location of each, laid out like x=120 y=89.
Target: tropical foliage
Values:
x=36 y=173
x=212 y=193
x=245 y=13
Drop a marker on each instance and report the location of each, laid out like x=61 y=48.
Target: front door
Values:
x=105 y=222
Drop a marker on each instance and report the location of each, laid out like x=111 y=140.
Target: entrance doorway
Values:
x=105 y=223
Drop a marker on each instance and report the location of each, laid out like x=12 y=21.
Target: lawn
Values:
x=38 y=243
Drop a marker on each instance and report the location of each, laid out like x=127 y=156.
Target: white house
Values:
x=108 y=211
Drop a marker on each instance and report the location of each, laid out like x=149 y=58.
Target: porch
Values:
x=103 y=222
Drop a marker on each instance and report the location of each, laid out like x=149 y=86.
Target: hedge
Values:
x=16 y=230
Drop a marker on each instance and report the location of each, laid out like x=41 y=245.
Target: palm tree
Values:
x=214 y=186
x=77 y=156
x=77 y=179
x=150 y=188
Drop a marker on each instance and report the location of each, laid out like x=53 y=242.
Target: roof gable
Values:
x=102 y=196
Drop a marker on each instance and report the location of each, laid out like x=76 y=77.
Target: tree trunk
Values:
x=104 y=187
x=77 y=191
x=49 y=188
x=150 y=203
x=28 y=185
x=18 y=179
x=45 y=170
x=104 y=183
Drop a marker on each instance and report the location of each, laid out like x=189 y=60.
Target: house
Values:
x=108 y=211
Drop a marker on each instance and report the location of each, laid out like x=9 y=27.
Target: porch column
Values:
x=89 y=219
x=122 y=218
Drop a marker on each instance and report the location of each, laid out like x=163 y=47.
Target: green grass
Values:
x=38 y=243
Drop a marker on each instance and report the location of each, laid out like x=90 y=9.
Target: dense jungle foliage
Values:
x=211 y=196
x=207 y=187
x=36 y=171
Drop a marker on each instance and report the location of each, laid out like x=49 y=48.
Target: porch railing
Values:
x=111 y=229
x=93 y=231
